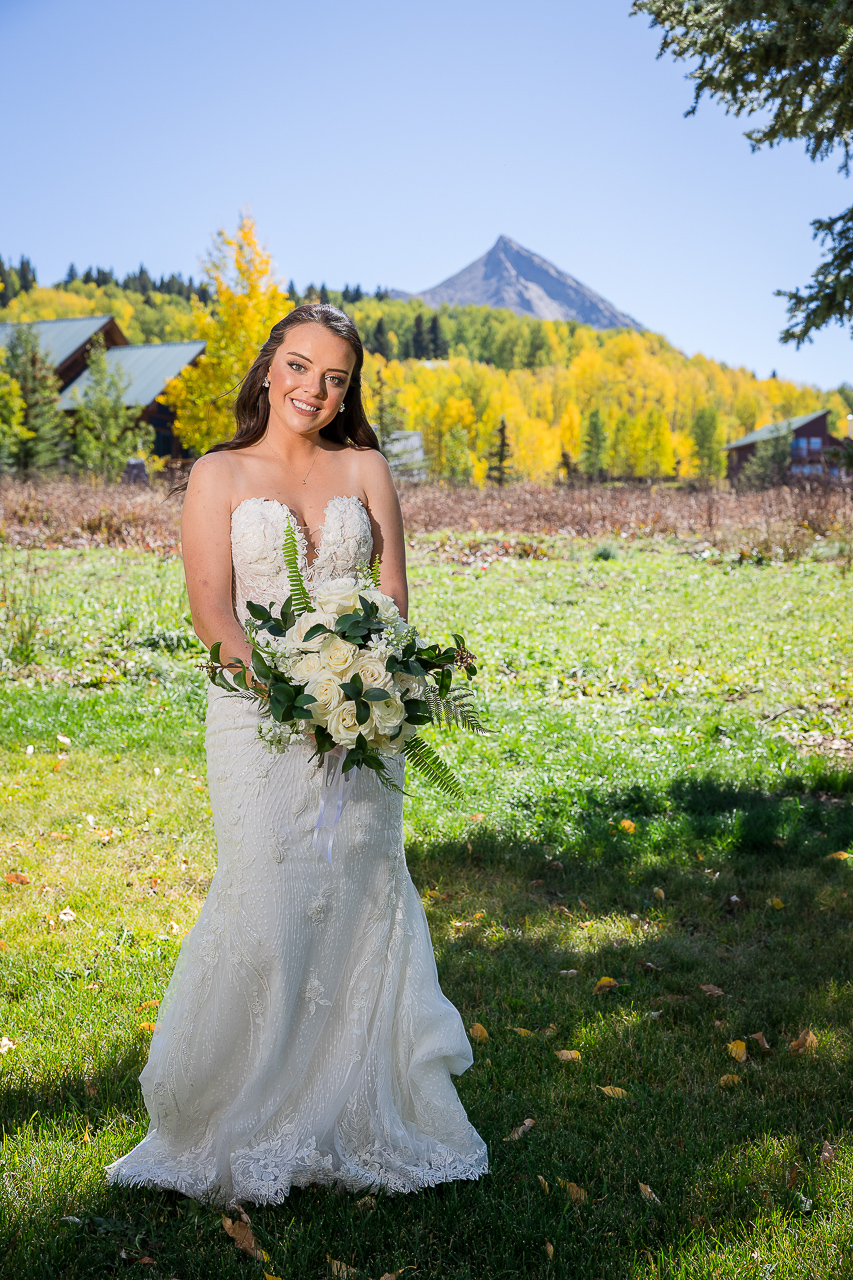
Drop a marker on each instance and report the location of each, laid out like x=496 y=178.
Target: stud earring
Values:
x=343 y=406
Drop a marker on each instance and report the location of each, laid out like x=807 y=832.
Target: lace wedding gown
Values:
x=303 y=1037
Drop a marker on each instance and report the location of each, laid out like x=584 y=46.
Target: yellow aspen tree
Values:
x=248 y=301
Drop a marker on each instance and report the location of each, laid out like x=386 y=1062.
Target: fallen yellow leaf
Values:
x=827 y=1155
x=660 y=895
x=267 y=1276
x=240 y=1231
x=758 y=1037
x=522 y=1129
x=66 y=915
x=627 y=825
x=340 y=1268
x=604 y=984
x=737 y=1050
x=647 y=1193
x=567 y=1055
x=710 y=989
x=4 y=946
x=478 y=1032
x=577 y=1195
x=148 y=1026
x=522 y=1031
x=806 y=1042
x=612 y=1091
x=776 y=903
x=549 y=1249
x=366 y=1203
x=543 y=1184
x=17 y=877
x=838 y=857
x=728 y=1082
x=146 y=1004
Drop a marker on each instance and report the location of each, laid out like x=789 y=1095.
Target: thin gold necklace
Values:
x=290 y=469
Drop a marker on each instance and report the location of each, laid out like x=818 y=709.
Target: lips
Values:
x=302 y=406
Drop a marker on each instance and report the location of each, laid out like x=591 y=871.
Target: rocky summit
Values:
x=512 y=277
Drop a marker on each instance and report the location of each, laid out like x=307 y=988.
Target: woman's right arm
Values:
x=206 y=545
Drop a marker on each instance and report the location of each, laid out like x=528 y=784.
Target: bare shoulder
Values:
x=213 y=476
x=372 y=468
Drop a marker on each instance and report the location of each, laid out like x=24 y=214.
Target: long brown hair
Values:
x=252 y=405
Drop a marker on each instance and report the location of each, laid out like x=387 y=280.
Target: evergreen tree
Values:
x=45 y=444
x=593 y=446
x=357 y=295
x=707 y=444
x=71 y=274
x=768 y=466
x=141 y=282
x=381 y=345
x=420 y=341
x=9 y=281
x=26 y=275
x=499 y=470
x=293 y=292
x=324 y=293
x=437 y=343
x=12 y=413
x=106 y=430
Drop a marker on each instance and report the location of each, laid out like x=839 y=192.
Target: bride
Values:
x=303 y=1037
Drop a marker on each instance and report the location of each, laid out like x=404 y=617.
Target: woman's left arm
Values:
x=386 y=522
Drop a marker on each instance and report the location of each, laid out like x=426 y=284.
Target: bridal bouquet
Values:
x=342 y=666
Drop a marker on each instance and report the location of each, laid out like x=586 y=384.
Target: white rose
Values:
x=326 y=689
x=385 y=746
x=387 y=715
x=343 y=726
x=370 y=665
x=337 y=654
x=305 y=666
x=296 y=635
x=409 y=686
x=388 y=611
x=338 y=596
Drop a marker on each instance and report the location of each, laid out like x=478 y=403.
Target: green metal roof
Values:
x=774 y=429
x=147 y=367
x=59 y=339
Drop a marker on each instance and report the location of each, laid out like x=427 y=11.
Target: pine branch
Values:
x=455 y=710
x=431 y=766
x=300 y=599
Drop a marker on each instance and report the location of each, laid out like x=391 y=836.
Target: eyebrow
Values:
x=310 y=361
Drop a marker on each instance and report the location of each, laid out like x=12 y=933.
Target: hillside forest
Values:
x=551 y=399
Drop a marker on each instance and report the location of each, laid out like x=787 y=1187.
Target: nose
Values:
x=315 y=384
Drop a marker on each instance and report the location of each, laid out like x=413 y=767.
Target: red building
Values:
x=810 y=439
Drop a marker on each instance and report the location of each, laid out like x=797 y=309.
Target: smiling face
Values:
x=309 y=376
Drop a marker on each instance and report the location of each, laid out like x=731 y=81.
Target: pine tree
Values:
x=26 y=275
x=593 y=446
x=46 y=442
x=71 y=274
x=500 y=472
x=437 y=343
x=292 y=292
x=324 y=293
x=768 y=466
x=420 y=341
x=9 y=281
x=381 y=346
x=106 y=430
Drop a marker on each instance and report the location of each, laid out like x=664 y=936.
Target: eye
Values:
x=339 y=382
x=296 y=366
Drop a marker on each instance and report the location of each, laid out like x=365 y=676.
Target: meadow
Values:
x=664 y=802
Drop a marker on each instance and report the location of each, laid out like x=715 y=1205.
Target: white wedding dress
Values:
x=303 y=1037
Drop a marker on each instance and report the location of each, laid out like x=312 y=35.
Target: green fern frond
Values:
x=300 y=599
x=431 y=766
x=454 y=710
x=375 y=570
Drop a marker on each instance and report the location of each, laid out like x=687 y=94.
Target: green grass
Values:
x=639 y=688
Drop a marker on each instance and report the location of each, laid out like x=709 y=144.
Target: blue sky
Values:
x=392 y=143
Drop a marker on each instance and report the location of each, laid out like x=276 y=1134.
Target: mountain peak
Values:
x=513 y=277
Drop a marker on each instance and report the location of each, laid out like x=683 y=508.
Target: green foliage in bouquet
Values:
x=428 y=667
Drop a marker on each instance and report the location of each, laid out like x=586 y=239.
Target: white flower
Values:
x=409 y=686
x=388 y=611
x=344 y=727
x=337 y=654
x=278 y=737
x=387 y=715
x=296 y=635
x=338 y=596
x=384 y=745
x=314 y=993
x=370 y=665
x=326 y=689
x=304 y=667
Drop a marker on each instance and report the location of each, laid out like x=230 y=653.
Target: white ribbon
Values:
x=335 y=790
